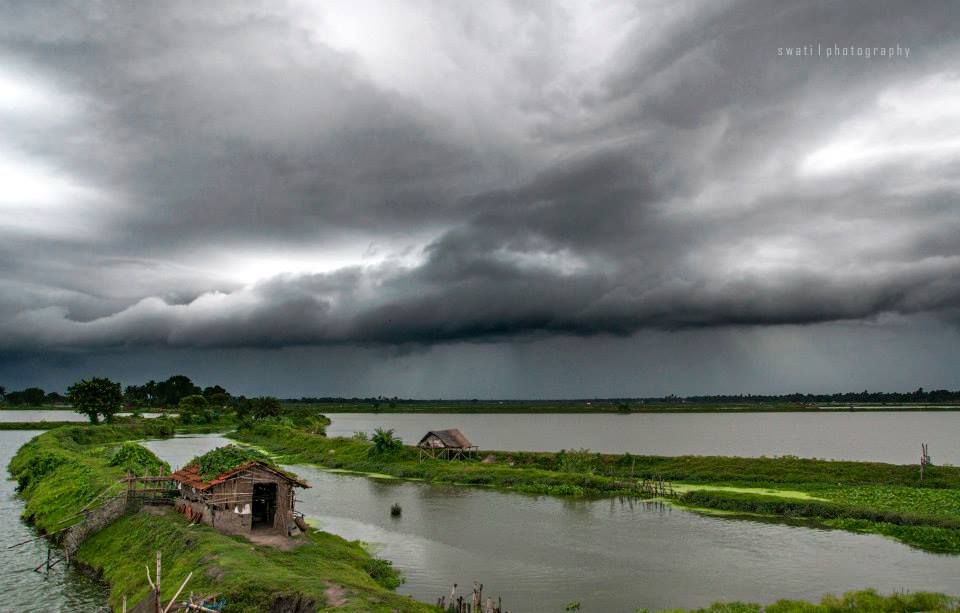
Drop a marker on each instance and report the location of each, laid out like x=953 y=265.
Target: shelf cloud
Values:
x=287 y=174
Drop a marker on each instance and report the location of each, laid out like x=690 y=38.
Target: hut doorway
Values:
x=264 y=504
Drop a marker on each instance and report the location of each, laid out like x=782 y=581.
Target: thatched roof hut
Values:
x=236 y=492
x=449 y=444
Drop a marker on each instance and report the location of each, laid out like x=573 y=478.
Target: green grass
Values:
x=251 y=577
x=61 y=471
x=931 y=502
x=873 y=497
x=868 y=601
x=36 y=425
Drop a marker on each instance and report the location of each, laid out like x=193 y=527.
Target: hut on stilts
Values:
x=445 y=444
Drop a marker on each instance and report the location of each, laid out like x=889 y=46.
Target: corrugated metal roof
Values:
x=190 y=475
x=452 y=438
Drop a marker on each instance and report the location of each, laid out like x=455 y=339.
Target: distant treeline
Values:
x=865 y=397
x=920 y=395
x=152 y=394
x=170 y=392
x=31 y=396
x=100 y=398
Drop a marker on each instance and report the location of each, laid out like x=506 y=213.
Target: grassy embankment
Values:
x=60 y=471
x=857 y=496
x=36 y=425
x=597 y=406
x=227 y=422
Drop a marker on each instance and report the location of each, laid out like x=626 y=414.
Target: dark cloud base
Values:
x=505 y=176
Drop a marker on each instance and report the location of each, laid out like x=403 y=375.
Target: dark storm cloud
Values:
x=523 y=171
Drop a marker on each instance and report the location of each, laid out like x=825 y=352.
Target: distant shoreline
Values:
x=562 y=407
x=605 y=408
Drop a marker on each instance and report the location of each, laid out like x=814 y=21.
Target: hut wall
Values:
x=228 y=506
x=283 y=519
x=192 y=510
x=230 y=522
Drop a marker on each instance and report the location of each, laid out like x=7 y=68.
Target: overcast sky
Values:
x=481 y=199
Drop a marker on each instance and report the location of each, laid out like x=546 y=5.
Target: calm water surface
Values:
x=879 y=436
x=540 y=553
x=64 y=589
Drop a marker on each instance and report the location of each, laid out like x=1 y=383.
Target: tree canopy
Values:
x=195 y=408
x=265 y=407
x=97 y=397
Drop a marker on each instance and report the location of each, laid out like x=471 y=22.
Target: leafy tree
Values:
x=243 y=408
x=34 y=396
x=135 y=396
x=175 y=389
x=218 y=400
x=210 y=392
x=96 y=397
x=55 y=398
x=3 y=393
x=194 y=408
x=384 y=441
x=152 y=393
x=265 y=407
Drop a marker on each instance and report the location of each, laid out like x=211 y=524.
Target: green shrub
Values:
x=138 y=460
x=383 y=572
x=384 y=442
x=224 y=459
x=38 y=465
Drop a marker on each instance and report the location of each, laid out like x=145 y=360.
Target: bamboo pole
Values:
x=159 y=604
x=174 y=599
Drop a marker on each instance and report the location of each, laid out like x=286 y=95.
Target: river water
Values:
x=64 y=589
x=540 y=553
x=887 y=436
x=29 y=415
